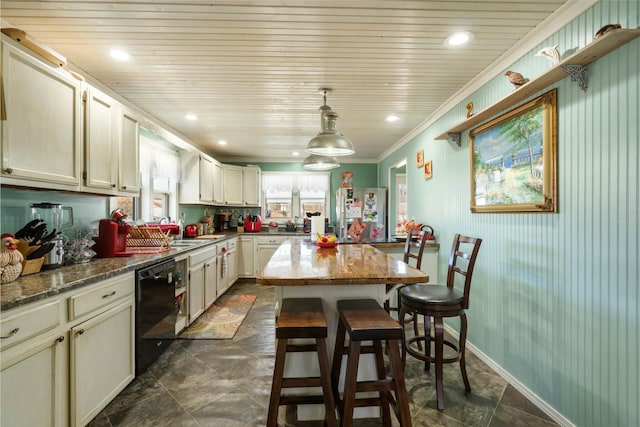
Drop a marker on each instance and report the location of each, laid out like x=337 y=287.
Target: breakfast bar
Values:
x=301 y=269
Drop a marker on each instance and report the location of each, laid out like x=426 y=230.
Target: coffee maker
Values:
x=53 y=214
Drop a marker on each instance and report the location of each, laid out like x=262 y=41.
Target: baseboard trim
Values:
x=534 y=398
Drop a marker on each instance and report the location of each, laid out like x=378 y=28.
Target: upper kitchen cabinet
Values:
x=42 y=131
x=218 y=186
x=241 y=185
x=251 y=184
x=233 y=187
x=197 y=183
x=111 y=158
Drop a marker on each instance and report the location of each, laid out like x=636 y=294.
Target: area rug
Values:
x=222 y=320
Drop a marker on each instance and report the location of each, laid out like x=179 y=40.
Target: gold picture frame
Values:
x=428 y=170
x=419 y=158
x=513 y=160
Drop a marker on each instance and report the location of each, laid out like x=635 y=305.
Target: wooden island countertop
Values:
x=300 y=262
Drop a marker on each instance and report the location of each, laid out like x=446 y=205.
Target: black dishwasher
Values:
x=155 y=312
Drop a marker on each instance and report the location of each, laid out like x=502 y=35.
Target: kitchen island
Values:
x=300 y=269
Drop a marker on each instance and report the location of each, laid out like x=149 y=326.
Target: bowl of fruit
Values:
x=327 y=241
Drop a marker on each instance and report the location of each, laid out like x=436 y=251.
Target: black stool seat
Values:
x=366 y=320
x=419 y=295
x=301 y=318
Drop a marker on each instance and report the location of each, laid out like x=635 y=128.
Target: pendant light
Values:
x=320 y=163
x=329 y=142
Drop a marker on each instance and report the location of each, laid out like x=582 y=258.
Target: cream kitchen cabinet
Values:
x=245 y=256
x=43 y=108
x=102 y=360
x=197 y=178
x=111 y=150
x=202 y=287
x=232 y=185
x=251 y=182
x=218 y=184
x=34 y=366
x=54 y=354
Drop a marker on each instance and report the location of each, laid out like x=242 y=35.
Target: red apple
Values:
x=324 y=239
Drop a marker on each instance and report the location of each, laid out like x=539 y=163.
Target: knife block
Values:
x=31 y=266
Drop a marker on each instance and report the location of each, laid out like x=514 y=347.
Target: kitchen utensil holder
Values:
x=144 y=236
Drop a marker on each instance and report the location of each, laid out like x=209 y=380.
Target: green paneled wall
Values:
x=555 y=298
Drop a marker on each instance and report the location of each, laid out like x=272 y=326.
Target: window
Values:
x=292 y=194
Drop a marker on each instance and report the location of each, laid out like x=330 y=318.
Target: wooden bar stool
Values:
x=301 y=318
x=366 y=320
x=438 y=302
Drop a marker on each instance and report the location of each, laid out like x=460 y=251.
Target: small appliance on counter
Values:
x=253 y=224
x=224 y=222
x=112 y=239
x=191 y=230
x=52 y=214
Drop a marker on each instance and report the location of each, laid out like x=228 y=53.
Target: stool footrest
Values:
x=301 y=400
x=375 y=385
x=301 y=382
x=301 y=348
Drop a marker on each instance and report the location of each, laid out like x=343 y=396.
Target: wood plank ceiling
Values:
x=251 y=69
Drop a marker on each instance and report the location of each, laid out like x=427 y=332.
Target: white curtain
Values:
x=160 y=163
x=289 y=182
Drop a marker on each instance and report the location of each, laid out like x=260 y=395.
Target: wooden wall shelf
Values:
x=575 y=62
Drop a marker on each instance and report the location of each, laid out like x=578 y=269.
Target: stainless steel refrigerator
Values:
x=361 y=214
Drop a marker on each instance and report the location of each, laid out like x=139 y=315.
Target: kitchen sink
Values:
x=185 y=243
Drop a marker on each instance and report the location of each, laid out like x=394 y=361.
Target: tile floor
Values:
x=227 y=383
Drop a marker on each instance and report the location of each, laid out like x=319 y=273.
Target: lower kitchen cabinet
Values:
x=34 y=383
x=203 y=279
x=245 y=257
x=63 y=359
x=102 y=360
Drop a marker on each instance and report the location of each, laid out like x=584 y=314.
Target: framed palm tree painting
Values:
x=513 y=160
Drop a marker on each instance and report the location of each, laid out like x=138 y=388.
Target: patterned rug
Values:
x=222 y=320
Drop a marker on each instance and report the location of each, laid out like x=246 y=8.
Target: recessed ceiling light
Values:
x=222 y=142
x=392 y=118
x=295 y=153
x=191 y=117
x=120 y=55
x=458 y=39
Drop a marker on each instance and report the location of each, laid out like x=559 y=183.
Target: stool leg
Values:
x=404 y=339
x=427 y=341
x=397 y=371
x=329 y=403
x=351 y=377
x=276 y=385
x=382 y=374
x=415 y=330
x=439 y=329
x=336 y=364
x=462 y=345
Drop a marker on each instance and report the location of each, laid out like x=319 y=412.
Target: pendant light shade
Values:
x=329 y=142
x=320 y=163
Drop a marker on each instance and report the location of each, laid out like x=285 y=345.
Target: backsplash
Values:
x=15 y=211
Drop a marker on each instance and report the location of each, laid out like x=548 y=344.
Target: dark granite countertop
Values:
x=47 y=283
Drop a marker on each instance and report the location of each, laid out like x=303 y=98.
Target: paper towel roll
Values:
x=317 y=226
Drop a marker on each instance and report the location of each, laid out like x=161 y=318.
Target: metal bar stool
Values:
x=366 y=320
x=438 y=302
x=301 y=318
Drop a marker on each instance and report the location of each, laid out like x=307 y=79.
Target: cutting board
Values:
x=211 y=236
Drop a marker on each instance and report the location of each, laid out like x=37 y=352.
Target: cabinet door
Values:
x=210 y=282
x=102 y=360
x=218 y=188
x=245 y=257
x=43 y=105
x=196 y=292
x=129 y=161
x=206 y=180
x=101 y=142
x=251 y=183
x=33 y=383
x=232 y=179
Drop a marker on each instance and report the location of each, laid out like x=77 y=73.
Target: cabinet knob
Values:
x=124 y=187
x=60 y=338
x=12 y=333
x=113 y=186
x=8 y=171
x=80 y=332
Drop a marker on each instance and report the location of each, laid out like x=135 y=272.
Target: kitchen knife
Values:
x=37 y=233
x=41 y=251
x=26 y=230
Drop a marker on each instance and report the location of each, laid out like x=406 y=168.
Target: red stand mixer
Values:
x=112 y=236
